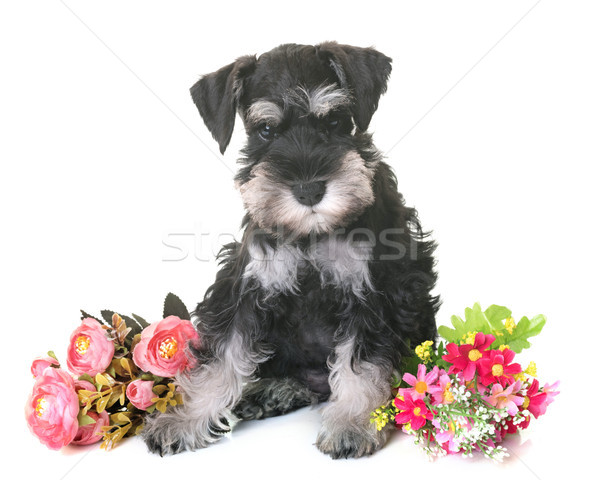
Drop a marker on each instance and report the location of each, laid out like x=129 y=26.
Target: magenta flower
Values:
x=464 y=358
x=412 y=411
x=537 y=400
x=506 y=398
x=496 y=367
x=422 y=384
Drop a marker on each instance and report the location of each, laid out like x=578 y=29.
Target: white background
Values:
x=491 y=123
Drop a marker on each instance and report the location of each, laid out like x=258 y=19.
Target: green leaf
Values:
x=135 y=327
x=107 y=316
x=143 y=323
x=525 y=329
x=84 y=419
x=111 y=371
x=496 y=314
x=396 y=381
x=410 y=365
x=440 y=362
x=174 y=306
x=446 y=333
x=476 y=320
x=456 y=334
x=86 y=377
x=51 y=354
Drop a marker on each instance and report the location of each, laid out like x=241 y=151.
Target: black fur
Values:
x=301 y=326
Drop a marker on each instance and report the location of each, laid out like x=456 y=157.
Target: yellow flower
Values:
x=382 y=416
x=531 y=369
x=469 y=338
x=503 y=347
x=423 y=351
x=510 y=324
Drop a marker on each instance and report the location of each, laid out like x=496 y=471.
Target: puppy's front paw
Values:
x=164 y=435
x=168 y=434
x=350 y=441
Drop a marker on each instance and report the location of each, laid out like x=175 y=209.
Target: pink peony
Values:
x=92 y=432
x=162 y=347
x=51 y=409
x=90 y=350
x=41 y=363
x=140 y=394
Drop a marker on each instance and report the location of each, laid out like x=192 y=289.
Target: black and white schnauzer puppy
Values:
x=330 y=285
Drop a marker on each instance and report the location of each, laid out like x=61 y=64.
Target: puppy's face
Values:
x=307 y=167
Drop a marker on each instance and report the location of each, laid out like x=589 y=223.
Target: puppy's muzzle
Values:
x=309 y=194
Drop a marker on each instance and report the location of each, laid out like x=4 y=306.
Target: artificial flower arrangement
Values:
x=467 y=394
x=461 y=397
x=119 y=369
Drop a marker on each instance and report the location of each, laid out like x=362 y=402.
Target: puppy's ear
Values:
x=364 y=71
x=217 y=95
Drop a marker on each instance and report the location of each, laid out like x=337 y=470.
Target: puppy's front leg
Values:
x=209 y=394
x=356 y=391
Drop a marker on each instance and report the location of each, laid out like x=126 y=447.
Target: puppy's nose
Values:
x=309 y=193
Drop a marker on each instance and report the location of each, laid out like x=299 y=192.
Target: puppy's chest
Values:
x=332 y=263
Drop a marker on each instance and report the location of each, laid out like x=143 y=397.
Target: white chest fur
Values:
x=339 y=262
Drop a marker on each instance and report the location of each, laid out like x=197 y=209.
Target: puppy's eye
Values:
x=267 y=132
x=330 y=124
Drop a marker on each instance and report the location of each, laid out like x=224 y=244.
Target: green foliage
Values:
x=142 y=323
x=174 y=306
x=525 y=329
x=495 y=320
x=84 y=419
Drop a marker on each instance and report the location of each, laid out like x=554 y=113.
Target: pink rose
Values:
x=162 y=347
x=92 y=432
x=140 y=394
x=90 y=350
x=40 y=364
x=51 y=409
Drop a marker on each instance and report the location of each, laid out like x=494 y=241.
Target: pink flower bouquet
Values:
x=119 y=370
x=469 y=393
